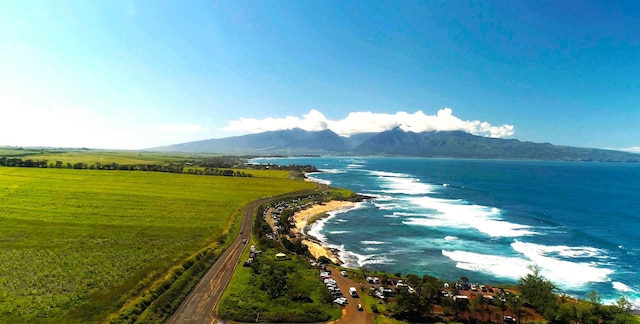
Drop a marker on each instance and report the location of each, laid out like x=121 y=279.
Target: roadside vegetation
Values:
x=426 y=299
x=277 y=291
x=82 y=245
x=286 y=290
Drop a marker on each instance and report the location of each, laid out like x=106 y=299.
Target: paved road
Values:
x=199 y=306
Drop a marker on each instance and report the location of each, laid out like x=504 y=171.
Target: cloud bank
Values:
x=633 y=149
x=363 y=122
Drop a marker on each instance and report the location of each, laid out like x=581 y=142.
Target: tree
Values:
x=429 y=289
x=422 y=300
x=538 y=291
x=460 y=306
x=502 y=304
x=480 y=303
x=413 y=280
x=515 y=304
x=408 y=303
x=622 y=312
x=272 y=279
x=324 y=259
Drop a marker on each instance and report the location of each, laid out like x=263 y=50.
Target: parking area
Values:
x=345 y=293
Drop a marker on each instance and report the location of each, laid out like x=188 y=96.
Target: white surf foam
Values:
x=387 y=174
x=506 y=267
x=457 y=214
x=332 y=171
x=373 y=242
x=386 y=206
x=565 y=272
x=619 y=286
x=355 y=260
x=316 y=228
x=314 y=179
x=405 y=214
x=400 y=183
x=339 y=232
x=450 y=238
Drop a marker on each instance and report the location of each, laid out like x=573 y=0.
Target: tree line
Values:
x=171 y=167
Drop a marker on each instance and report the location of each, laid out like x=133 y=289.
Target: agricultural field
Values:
x=91 y=156
x=77 y=245
x=103 y=157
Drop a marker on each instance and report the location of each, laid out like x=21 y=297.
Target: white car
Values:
x=341 y=301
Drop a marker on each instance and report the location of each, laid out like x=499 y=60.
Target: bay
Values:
x=489 y=220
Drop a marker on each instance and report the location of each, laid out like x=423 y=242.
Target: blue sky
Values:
x=138 y=74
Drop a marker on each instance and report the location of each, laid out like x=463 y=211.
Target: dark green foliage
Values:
x=285 y=224
x=538 y=291
x=296 y=247
x=414 y=305
x=277 y=291
x=270 y=277
x=324 y=259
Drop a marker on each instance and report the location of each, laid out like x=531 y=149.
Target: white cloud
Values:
x=312 y=121
x=366 y=121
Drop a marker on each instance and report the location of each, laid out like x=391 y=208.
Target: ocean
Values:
x=488 y=220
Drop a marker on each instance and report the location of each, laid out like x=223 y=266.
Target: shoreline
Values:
x=305 y=219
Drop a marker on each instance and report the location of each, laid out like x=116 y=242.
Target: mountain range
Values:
x=395 y=142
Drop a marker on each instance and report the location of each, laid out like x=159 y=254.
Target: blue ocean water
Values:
x=489 y=220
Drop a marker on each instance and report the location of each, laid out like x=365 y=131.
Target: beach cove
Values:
x=304 y=220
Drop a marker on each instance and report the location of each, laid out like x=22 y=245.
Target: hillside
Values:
x=444 y=144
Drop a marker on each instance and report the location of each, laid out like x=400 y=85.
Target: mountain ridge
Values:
x=395 y=142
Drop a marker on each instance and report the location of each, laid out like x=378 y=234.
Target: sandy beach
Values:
x=306 y=217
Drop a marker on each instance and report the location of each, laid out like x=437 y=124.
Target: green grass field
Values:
x=76 y=245
x=106 y=157
x=99 y=156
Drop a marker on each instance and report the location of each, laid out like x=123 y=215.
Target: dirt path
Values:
x=350 y=313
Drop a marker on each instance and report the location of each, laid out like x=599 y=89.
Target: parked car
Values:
x=341 y=301
x=360 y=307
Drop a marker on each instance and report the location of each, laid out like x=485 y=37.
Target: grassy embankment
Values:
x=89 y=245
